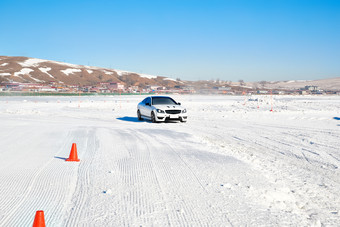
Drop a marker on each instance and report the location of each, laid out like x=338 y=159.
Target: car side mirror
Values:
x=179 y=103
x=148 y=104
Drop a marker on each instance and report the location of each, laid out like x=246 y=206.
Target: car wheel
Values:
x=182 y=120
x=139 y=115
x=153 y=118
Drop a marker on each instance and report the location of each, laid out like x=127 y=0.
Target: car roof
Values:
x=159 y=96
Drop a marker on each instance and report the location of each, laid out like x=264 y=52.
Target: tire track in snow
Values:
x=125 y=191
x=216 y=205
x=80 y=196
x=147 y=185
x=139 y=175
x=177 y=179
x=45 y=191
x=312 y=193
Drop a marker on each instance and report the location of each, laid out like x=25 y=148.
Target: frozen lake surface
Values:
x=234 y=163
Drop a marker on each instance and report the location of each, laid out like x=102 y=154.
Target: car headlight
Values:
x=159 y=111
x=184 y=111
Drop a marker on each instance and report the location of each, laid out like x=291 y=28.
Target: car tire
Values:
x=181 y=120
x=153 y=117
x=139 y=116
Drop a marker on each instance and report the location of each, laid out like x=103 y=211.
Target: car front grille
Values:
x=173 y=111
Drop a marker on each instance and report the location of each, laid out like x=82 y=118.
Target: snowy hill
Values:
x=24 y=69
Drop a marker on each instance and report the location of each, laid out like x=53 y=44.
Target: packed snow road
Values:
x=234 y=163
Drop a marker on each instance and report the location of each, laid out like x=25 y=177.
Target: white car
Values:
x=161 y=108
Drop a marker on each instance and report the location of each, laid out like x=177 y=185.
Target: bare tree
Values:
x=241 y=82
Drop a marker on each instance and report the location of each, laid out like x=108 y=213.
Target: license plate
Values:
x=173 y=116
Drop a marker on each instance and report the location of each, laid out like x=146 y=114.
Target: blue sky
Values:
x=252 y=40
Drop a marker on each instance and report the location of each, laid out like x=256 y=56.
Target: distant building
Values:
x=160 y=88
x=189 y=89
x=152 y=87
x=103 y=85
x=224 y=88
x=104 y=90
x=48 y=89
x=275 y=92
x=133 y=89
x=311 y=88
x=302 y=92
x=10 y=85
x=116 y=86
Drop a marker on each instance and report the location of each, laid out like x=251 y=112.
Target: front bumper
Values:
x=174 y=117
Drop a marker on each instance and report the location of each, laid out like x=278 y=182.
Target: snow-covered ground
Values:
x=234 y=163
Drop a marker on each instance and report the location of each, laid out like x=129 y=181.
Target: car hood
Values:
x=169 y=107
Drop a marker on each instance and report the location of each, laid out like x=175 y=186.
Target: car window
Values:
x=148 y=100
x=163 y=101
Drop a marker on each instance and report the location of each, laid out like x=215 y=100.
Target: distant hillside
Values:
x=24 y=69
x=324 y=84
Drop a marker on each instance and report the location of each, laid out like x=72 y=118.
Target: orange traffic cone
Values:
x=73 y=154
x=39 y=220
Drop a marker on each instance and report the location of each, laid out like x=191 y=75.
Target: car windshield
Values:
x=163 y=101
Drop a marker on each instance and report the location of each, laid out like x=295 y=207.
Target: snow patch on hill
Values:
x=169 y=79
x=35 y=79
x=27 y=71
x=5 y=74
x=23 y=71
x=45 y=70
x=291 y=81
x=92 y=67
x=66 y=64
x=4 y=64
x=108 y=73
x=121 y=73
x=70 y=71
x=147 y=76
x=31 y=62
x=34 y=62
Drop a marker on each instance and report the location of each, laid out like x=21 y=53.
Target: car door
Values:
x=141 y=107
x=147 y=107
